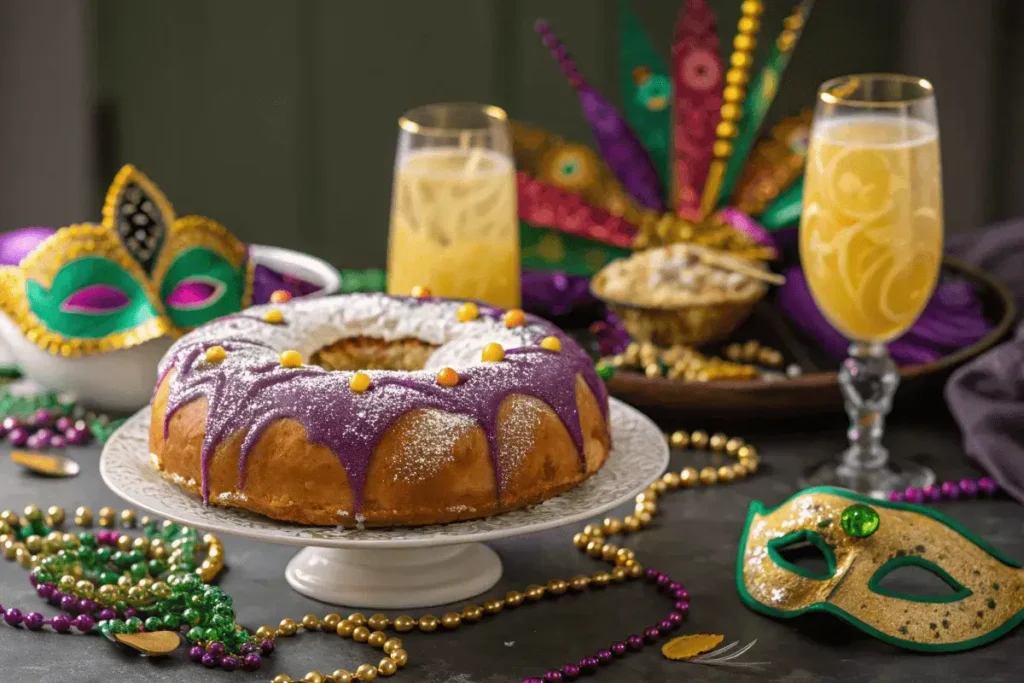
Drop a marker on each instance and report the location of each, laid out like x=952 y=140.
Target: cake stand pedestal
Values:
x=401 y=567
x=394 y=579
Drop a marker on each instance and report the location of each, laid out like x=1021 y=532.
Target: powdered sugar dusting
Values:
x=430 y=445
x=518 y=432
x=250 y=390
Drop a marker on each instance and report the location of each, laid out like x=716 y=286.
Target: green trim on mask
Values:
x=803 y=535
x=757 y=508
x=874 y=584
x=76 y=275
x=200 y=261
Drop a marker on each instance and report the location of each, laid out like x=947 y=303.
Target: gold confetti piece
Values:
x=151 y=643
x=43 y=463
x=687 y=647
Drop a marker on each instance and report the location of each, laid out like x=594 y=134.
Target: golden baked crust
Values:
x=538 y=459
x=434 y=430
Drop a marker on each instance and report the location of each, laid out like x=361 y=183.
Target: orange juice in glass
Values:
x=871 y=249
x=454 y=220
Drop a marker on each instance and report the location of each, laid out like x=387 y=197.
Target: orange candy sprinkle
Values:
x=420 y=292
x=280 y=296
x=467 y=312
x=515 y=318
x=216 y=354
x=360 y=382
x=291 y=359
x=551 y=344
x=493 y=353
x=447 y=377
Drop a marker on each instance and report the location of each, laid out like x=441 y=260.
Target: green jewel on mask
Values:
x=866 y=546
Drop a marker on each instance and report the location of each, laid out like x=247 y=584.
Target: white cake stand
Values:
x=396 y=568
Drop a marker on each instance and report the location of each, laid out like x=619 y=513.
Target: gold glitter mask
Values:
x=140 y=274
x=863 y=541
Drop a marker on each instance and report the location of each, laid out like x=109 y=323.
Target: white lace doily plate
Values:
x=639 y=455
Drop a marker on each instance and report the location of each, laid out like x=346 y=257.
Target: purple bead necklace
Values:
x=44 y=429
x=964 y=489
x=680 y=598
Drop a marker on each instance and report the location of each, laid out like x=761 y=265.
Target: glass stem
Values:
x=868 y=380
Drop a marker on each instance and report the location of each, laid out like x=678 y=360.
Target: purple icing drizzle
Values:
x=250 y=390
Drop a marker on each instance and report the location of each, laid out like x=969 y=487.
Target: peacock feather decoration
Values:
x=683 y=160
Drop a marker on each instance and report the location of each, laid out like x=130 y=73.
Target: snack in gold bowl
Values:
x=680 y=294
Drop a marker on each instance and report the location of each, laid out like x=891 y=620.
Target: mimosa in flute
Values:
x=871 y=248
x=454 y=223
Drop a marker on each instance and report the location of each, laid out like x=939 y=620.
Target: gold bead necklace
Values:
x=593 y=539
x=741 y=362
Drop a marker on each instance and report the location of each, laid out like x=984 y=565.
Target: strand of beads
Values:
x=948 y=490
x=593 y=540
x=47 y=420
x=129 y=585
x=354 y=627
x=747 y=459
x=677 y=362
x=151 y=582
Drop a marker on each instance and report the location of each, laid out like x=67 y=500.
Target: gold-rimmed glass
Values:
x=871 y=249
x=454 y=220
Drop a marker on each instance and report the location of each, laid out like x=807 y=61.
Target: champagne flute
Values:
x=871 y=250
x=454 y=218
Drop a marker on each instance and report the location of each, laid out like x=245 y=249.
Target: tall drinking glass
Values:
x=871 y=248
x=454 y=219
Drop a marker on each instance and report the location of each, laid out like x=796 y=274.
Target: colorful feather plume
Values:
x=679 y=162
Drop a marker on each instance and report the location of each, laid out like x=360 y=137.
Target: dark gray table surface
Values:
x=694 y=538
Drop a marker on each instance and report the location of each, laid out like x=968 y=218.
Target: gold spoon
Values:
x=46 y=463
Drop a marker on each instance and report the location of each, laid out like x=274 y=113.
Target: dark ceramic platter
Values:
x=816 y=391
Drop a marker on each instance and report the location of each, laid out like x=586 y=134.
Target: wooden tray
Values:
x=817 y=390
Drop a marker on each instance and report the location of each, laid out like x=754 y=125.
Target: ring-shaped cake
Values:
x=378 y=410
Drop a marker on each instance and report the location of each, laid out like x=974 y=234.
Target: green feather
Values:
x=647 y=106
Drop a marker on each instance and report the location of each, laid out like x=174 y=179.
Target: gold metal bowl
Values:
x=708 y=317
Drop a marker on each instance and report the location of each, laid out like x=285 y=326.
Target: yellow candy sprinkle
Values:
x=420 y=292
x=216 y=354
x=551 y=344
x=468 y=311
x=493 y=353
x=274 y=316
x=447 y=377
x=359 y=383
x=291 y=359
x=280 y=296
x=515 y=318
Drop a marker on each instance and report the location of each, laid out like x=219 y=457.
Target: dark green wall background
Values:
x=277 y=118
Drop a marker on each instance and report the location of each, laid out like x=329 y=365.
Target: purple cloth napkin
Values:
x=16 y=244
x=986 y=396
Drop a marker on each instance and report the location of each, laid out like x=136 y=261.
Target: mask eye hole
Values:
x=95 y=300
x=805 y=553
x=195 y=292
x=909 y=577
